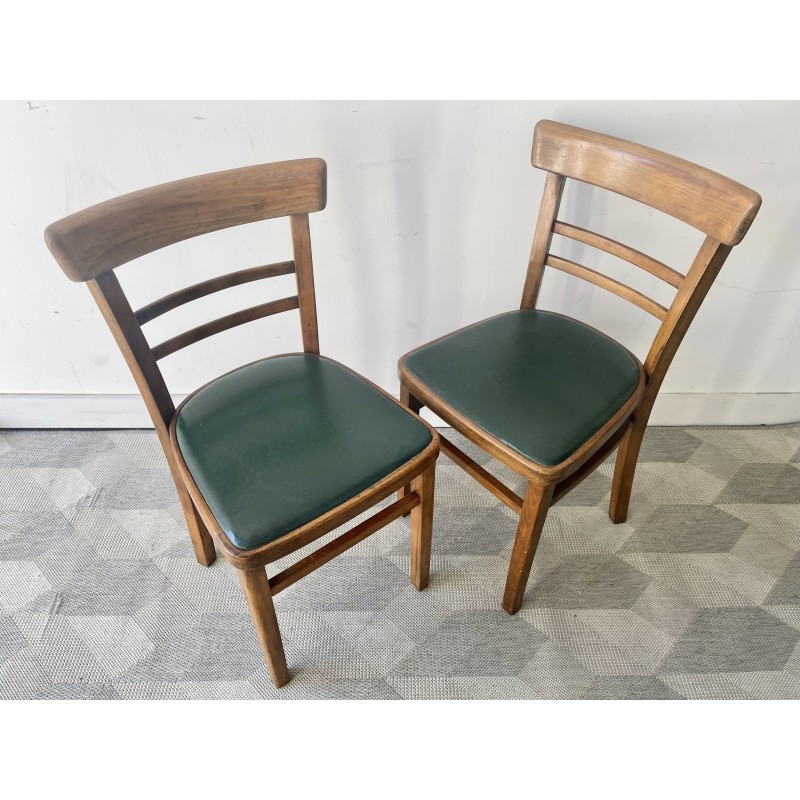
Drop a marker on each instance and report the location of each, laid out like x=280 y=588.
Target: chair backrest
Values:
x=90 y=244
x=717 y=206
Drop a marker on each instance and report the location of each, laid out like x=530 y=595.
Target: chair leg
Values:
x=259 y=598
x=411 y=402
x=627 y=458
x=422 y=528
x=531 y=521
x=202 y=542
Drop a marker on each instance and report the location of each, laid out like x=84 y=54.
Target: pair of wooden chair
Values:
x=273 y=455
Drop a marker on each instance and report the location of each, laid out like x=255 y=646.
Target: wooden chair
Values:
x=273 y=455
x=551 y=397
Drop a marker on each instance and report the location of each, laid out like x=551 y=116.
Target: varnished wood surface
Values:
x=90 y=244
x=542 y=238
x=698 y=281
x=198 y=290
x=422 y=527
x=223 y=324
x=128 y=335
x=609 y=284
x=484 y=477
x=301 y=242
x=566 y=485
x=342 y=543
x=259 y=599
x=93 y=241
x=625 y=469
x=641 y=260
x=716 y=205
x=413 y=405
x=538 y=498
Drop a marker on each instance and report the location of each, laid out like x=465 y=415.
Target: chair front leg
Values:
x=422 y=528
x=531 y=521
x=259 y=598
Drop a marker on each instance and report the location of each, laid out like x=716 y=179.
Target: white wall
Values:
x=431 y=207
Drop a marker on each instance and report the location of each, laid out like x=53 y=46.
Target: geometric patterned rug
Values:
x=696 y=596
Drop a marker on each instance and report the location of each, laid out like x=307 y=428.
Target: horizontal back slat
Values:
x=198 y=290
x=716 y=205
x=105 y=236
x=598 y=279
x=223 y=324
x=641 y=260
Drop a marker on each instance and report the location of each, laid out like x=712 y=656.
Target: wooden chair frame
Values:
x=90 y=244
x=718 y=206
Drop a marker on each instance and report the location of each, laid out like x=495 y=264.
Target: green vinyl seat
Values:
x=278 y=443
x=540 y=382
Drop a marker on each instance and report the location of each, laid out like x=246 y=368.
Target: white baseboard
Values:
x=128 y=410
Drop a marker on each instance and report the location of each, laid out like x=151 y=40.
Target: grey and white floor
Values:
x=696 y=596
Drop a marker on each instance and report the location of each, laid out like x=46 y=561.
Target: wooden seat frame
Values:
x=717 y=206
x=90 y=244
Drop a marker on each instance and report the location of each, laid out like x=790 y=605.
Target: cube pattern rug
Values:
x=696 y=596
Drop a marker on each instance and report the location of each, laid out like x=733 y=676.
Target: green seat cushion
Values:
x=275 y=444
x=540 y=382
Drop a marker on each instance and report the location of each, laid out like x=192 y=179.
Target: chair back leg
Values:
x=625 y=468
x=538 y=498
x=202 y=542
x=259 y=598
x=410 y=402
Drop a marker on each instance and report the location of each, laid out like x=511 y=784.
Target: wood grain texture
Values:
x=542 y=237
x=411 y=403
x=342 y=543
x=422 y=527
x=198 y=290
x=641 y=260
x=223 y=324
x=98 y=239
x=484 y=477
x=128 y=335
x=262 y=609
x=538 y=498
x=301 y=242
x=625 y=469
x=699 y=279
x=716 y=205
x=695 y=195
x=90 y=244
x=566 y=485
x=609 y=284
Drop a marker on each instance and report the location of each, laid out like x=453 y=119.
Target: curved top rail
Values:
x=716 y=205
x=98 y=239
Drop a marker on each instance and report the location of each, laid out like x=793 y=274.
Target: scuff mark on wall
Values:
x=389 y=163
